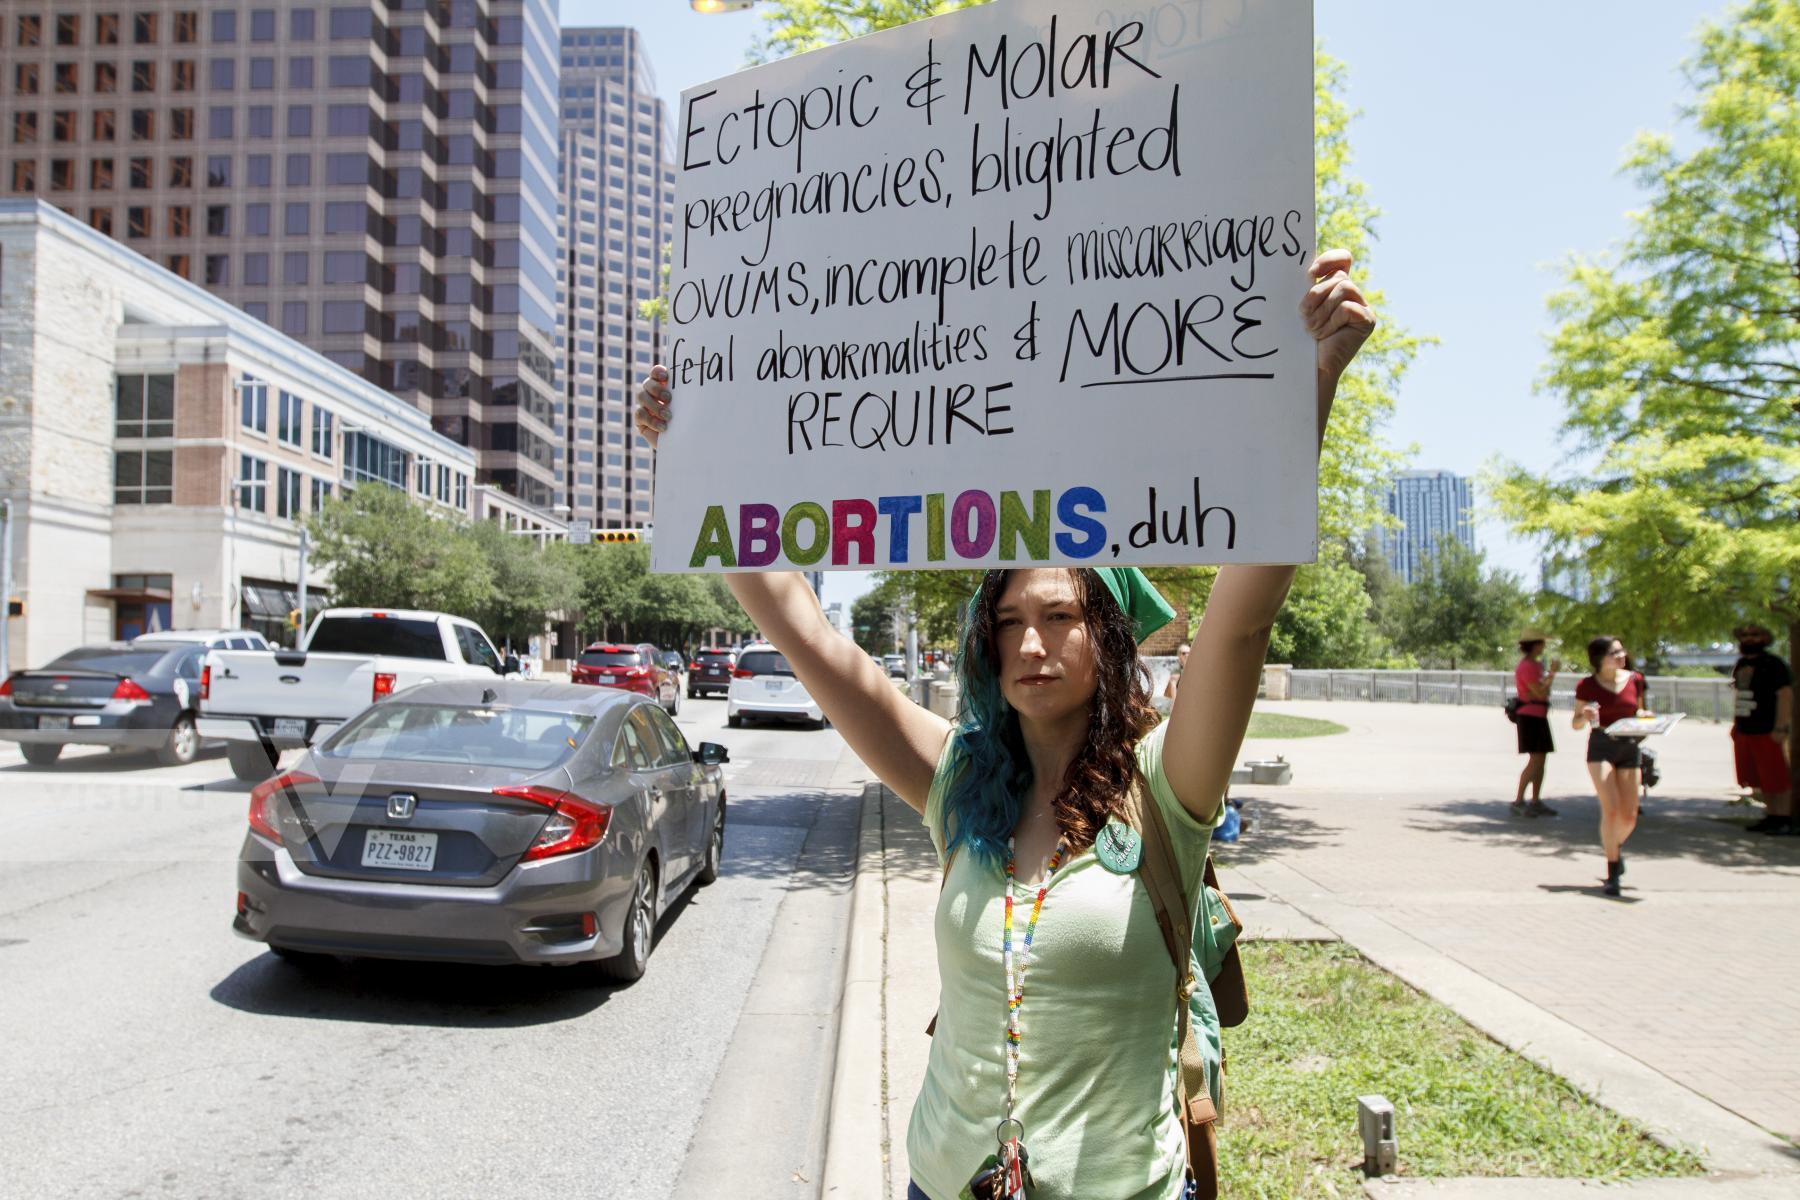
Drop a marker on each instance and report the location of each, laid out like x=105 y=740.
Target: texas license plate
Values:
x=53 y=722
x=399 y=850
x=290 y=727
x=774 y=685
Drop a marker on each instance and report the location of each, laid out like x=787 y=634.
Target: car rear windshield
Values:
x=765 y=662
x=400 y=637
x=110 y=659
x=526 y=738
x=612 y=658
x=723 y=654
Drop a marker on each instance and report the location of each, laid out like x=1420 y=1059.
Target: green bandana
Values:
x=1135 y=594
x=1139 y=598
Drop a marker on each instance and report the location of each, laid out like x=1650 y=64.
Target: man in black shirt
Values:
x=1759 y=735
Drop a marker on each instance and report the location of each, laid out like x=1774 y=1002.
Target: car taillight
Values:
x=206 y=681
x=262 y=801
x=740 y=673
x=693 y=666
x=574 y=824
x=129 y=690
x=6 y=688
x=384 y=686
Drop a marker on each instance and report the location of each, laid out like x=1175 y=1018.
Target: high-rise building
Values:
x=375 y=180
x=617 y=214
x=1430 y=505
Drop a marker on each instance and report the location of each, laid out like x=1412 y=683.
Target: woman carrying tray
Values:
x=1613 y=692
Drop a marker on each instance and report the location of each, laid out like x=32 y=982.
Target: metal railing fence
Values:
x=1701 y=699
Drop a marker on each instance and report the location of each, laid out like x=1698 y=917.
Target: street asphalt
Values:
x=150 y=1052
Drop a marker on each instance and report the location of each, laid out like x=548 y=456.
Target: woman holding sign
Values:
x=1614 y=692
x=1024 y=797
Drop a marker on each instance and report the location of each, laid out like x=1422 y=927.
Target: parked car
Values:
x=677 y=667
x=488 y=822
x=710 y=672
x=262 y=703
x=763 y=685
x=636 y=667
x=214 y=639
x=896 y=664
x=138 y=695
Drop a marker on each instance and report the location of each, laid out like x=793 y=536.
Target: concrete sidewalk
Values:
x=1678 y=1005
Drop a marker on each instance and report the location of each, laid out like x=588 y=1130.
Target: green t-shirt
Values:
x=1097 y=1058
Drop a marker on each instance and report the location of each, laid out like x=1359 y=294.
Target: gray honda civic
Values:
x=484 y=821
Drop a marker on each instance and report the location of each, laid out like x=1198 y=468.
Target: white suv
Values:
x=763 y=685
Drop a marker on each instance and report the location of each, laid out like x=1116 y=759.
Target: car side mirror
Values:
x=711 y=754
x=510 y=666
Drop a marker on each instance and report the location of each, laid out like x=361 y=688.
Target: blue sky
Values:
x=1490 y=138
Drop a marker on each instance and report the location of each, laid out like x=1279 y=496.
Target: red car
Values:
x=635 y=667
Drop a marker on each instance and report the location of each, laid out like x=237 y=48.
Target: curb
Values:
x=855 y=1122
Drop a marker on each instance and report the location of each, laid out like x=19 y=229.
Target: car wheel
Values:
x=675 y=704
x=735 y=721
x=250 y=762
x=40 y=754
x=715 y=850
x=640 y=930
x=183 y=745
x=692 y=694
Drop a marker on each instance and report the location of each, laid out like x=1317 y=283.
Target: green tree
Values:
x=383 y=549
x=872 y=621
x=611 y=577
x=533 y=582
x=1456 y=613
x=1675 y=357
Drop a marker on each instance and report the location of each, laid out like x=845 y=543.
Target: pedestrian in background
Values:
x=1759 y=734
x=1614 y=692
x=1174 y=684
x=1531 y=683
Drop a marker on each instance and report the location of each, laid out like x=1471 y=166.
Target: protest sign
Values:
x=1014 y=286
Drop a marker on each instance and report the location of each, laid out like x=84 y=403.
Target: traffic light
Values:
x=293 y=618
x=621 y=535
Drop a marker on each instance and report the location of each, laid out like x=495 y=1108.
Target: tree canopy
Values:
x=1675 y=357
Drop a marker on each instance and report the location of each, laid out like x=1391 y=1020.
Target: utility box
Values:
x=1375 y=1121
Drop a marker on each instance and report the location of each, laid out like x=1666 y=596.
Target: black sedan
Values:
x=123 y=695
x=482 y=821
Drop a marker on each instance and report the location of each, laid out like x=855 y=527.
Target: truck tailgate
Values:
x=255 y=682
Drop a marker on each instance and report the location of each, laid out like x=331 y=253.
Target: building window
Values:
x=137 y=222
x=143 y=75
x=256 y=273
x=253 y=483
x=181 y=124
x=342 y=316
x=256 y=222
x=101 y=219
x=287 y=493
x=299 y=219
x=347 y=71
x=25 y=79
x=422 y=476
x=218 y=220
x=180 y=264
x=321 y=492
x=104 y=124
x=224 y=26
x=64 y=125
x=219 y=123
x=262 y=25
x=224 y=74
x=141 y=178
x=25 y=128
x=143 y=124
x=218 y=171
x=293 y=267
x=187 y=27
x=144 y=477
x=299 y=122
x=259 y=122
x=299 y=170
x=144 y=406
x=287 y=418
x=262 y=74
x=321 y=432
x=180 y=221
x=462 y=491
x=100 y=175
x=300 y=73
x=371 y=460
x=143 y=29
x=24 y=176
x=106 y=29
x=293 y=318
x=68 y=79
x=106 y=78
x=253 y=404
x=181 y=172
x=62 y=174
x=183 y=75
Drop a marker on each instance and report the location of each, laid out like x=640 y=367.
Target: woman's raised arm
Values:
x=899 y=740
x=1218 y=690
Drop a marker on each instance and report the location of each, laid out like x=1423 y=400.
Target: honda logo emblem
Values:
x=401 y=805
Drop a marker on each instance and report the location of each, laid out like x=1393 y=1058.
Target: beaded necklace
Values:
x=1015 y=985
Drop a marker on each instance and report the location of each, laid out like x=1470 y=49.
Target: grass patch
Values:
x=1327 y=1026
x=1281 y=725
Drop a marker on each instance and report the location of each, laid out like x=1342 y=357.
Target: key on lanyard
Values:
x=1015 y=1162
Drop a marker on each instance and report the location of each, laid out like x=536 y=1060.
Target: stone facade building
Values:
x=160 y=447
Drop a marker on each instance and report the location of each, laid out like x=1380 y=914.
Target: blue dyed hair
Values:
x=990 y=773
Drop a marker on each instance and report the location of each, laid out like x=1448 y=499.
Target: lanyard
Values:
x=1015 y=985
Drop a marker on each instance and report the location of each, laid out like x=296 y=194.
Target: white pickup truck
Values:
x=263 y=702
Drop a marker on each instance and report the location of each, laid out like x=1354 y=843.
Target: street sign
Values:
x=581 y=531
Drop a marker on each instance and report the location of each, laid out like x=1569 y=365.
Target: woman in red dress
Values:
x=1613 y=692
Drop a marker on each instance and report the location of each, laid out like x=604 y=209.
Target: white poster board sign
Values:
x=1018 y=285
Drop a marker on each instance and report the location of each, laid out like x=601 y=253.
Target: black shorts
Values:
x=1534 y=736
x=1623 y=753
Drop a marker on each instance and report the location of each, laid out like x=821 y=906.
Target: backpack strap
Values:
x=1161 y=874
x=950 y=859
